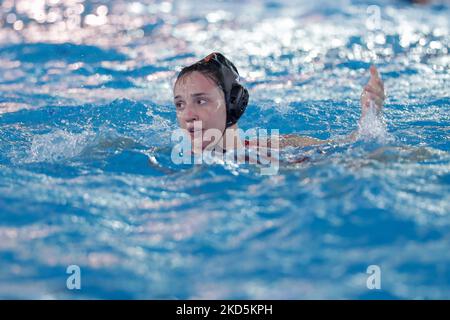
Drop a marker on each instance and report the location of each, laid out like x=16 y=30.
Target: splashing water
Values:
x=86 y=176
x=373 y=126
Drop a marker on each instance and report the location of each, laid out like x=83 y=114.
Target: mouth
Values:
x=192 y=131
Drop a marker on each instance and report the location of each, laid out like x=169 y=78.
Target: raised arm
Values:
x=372 y=96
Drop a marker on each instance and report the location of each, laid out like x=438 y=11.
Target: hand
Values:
x=373 y=92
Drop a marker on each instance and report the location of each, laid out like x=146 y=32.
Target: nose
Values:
x=190 y=113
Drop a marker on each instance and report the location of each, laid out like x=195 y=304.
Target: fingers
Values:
x=375 y=78
x=373 y=93
x=367 y=97
x=374 y=71
x=375 y=90
x=375 y=84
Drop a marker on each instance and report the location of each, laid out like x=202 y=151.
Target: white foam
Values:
x=58 y=145
x=373 y=127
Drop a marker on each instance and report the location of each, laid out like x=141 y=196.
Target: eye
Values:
x=179 y=105
x=201 y=101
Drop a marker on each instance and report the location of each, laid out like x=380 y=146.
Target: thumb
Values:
x=374 y=72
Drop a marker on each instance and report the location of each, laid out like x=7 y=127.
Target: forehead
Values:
x=194 y=82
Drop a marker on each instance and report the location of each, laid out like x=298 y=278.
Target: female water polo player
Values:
x=210 y=100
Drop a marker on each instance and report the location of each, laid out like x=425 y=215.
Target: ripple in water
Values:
x=86 y=177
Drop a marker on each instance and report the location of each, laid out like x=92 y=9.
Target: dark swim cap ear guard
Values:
x=236 y=95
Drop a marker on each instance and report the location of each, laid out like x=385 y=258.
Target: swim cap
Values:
x=236 y=95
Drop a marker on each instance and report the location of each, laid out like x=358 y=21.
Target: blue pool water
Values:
x=86 y=101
